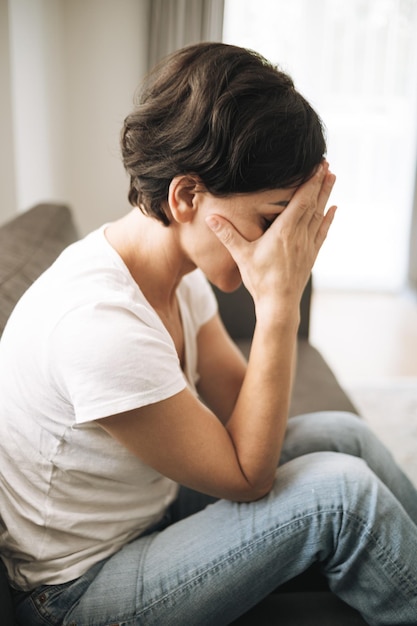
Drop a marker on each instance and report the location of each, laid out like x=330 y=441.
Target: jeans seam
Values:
x=230 y=558
x=406 y=584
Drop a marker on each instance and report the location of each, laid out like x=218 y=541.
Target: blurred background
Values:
x=356 y=62
x=68 y=73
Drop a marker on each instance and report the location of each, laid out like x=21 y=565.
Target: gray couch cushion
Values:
x=301 y=609
x=29 y=244
x=238 y=312
x=316 y=388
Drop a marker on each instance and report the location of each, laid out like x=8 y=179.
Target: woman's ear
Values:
x=182 y=197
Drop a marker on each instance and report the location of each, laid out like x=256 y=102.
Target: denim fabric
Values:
x=339 y=499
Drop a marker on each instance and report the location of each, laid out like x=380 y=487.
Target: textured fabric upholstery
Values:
x=29 y=243
x=238 y=313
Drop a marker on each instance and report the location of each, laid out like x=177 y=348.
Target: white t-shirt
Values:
x=84 y=343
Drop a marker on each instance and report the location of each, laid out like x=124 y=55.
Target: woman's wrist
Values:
x=280 y=316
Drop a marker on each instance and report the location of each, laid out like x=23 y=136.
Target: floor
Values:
x=366 y=337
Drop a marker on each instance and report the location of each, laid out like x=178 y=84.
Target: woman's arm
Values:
x=183 y=439
x=221 y=367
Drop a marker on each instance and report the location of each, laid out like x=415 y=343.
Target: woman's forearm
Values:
x=258 y=422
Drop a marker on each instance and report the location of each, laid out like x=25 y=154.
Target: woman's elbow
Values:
x=255 y=490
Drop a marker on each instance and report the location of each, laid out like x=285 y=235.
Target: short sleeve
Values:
x=109 y=358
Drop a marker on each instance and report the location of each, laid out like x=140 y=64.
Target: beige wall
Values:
x=38 y=95
x=106 y=48
x=7 y=173
x=74 y=66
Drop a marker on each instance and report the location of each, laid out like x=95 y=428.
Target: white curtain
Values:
x=177 y=23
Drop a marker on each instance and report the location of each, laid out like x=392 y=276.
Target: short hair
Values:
x=222 y=113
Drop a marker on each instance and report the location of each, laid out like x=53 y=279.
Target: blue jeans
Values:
x=339 y=499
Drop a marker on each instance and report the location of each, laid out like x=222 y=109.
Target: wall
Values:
x=7 y=173
x=74 y=66
x=38 y=88
x=106 y=56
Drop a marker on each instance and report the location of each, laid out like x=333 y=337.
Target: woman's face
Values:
x=251 y=214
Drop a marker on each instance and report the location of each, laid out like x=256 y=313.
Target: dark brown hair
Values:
x=222 y=113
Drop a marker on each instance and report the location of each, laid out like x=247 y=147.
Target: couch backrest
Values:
x=29 y=243
x=238 y=313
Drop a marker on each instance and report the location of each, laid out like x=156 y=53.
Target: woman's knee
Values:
x=333 y=431
x=327 y=481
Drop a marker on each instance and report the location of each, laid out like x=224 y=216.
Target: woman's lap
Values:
x=214 y=564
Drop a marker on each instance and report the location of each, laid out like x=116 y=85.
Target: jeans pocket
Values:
x=47 y=605
x=43 y=606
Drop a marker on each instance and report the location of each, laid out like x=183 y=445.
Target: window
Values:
x=356 y=62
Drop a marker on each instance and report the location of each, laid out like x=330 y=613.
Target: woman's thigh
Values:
x=214 y=565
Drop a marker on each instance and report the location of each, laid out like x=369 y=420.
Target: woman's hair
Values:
x=224 y=114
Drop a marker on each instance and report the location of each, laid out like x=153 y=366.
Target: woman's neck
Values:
x=153 y=256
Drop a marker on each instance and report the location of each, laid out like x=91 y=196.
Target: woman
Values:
x=132 y=387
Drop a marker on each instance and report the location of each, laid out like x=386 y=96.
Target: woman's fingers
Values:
x=325 y=190
x=305 y=212
x=320 y=190
x=309 y=199
x=316 y=220
x=229 y=236
x=324 y=226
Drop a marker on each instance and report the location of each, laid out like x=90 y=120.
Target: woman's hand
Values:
x=276 y=267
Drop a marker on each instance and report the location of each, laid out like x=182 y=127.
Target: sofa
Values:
x=31 y=241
